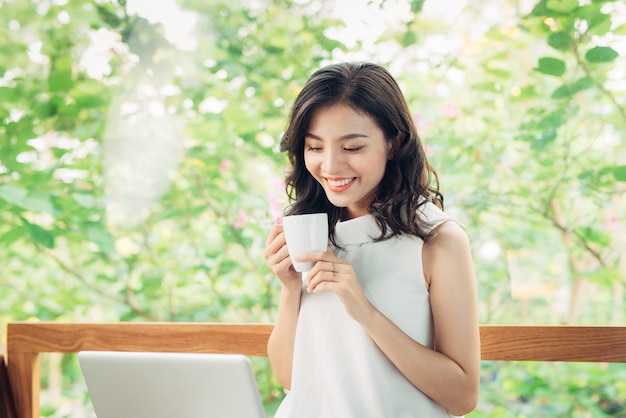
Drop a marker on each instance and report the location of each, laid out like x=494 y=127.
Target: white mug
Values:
x=305 y=234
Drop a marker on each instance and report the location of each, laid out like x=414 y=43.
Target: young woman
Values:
x=385 y=324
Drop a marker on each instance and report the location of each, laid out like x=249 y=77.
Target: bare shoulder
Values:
x=447 y=235
x=450 y=242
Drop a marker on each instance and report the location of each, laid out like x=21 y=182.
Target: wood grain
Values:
x=7 y=409
x=40 y=337
x=24 y=376
x=553 y=343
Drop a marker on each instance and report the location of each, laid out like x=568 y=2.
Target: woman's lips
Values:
x=339 y=184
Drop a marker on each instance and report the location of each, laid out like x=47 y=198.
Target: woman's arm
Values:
x=450 y=373
x=281 y=342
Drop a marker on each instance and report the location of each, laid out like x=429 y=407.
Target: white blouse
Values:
x=338 y=371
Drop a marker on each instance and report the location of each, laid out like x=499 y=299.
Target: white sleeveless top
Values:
x=338 y=371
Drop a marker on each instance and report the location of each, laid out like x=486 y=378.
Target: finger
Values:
x=321 y=281
x=315 y=256
x=324 y=270
x=276 y=260
x=274 y=245
x=274 y=232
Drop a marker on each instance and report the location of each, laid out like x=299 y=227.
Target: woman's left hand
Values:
x=333 y=274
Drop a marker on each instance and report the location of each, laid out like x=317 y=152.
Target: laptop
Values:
x=170 y=385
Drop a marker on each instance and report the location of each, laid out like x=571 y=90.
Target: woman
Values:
x=386 y=322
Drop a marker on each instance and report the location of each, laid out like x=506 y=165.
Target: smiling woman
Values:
x=130 y=128
x=384 y=325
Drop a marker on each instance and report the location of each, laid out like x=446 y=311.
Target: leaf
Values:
x=603 y=277
x=11 y=193
x=620 y=30
x=567 y=90
x=408 y=38
x=583 y=83
x=600 y=26
x=562 y=6
x=39 y=235
x=44 y=110
x=63 y=64
x=551 y=66
x=11 y=236
x=601 y=54
x=417 y=5
x=19 y=197
x=498 y=72
x=37 y=204
x=562 y=92
x=553 y=120
x=103 y=239
x=594 y=235
x=560 y=40
x=620 y=173
x=60 y=81
x=586 y=174
x=89 y=101
x=84 y=199
x=598 y=22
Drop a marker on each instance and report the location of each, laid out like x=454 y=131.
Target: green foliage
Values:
x=140 y=173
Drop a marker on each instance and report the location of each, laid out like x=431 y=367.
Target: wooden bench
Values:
x=25 y=341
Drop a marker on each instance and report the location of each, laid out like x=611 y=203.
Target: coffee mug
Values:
x=304 y=234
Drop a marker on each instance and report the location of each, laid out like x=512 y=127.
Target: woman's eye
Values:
x=313 y=149
x=354 y=149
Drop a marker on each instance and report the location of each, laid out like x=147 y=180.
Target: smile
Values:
x=340 y=185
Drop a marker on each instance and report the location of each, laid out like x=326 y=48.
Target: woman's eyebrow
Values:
x=341 y=138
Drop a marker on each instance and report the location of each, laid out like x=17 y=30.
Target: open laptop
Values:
x=170 y=385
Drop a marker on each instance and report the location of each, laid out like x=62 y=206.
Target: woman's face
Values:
x=346 y=152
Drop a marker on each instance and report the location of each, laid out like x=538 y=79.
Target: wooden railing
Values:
x=25 y=341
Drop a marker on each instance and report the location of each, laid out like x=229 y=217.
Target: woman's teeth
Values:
x=340 y=183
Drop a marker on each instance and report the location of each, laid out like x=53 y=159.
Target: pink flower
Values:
x=450 y=110
x=241 y=220
x=420 y=122
x=428 y=150
x=275 y=210
x=610 y=222
x=276 y=197
x=225 y=165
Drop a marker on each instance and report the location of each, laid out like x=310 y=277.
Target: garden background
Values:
x=140 y=172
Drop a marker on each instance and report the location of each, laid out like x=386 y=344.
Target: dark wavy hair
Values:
x=409 y=180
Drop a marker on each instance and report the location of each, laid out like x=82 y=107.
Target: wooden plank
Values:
x=553 y=343
x=38 y=337
x=24 y=376
x=7 y=408
x=498 y=342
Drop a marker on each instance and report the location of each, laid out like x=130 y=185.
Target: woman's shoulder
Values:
x=446 y=231
x=449 y=241
x=431 y=215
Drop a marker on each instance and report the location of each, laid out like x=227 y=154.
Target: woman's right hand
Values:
x=277 y=258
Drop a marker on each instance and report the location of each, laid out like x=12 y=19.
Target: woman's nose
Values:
x=332 y=161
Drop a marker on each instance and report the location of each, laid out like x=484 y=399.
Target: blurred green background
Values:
x=140 y=173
